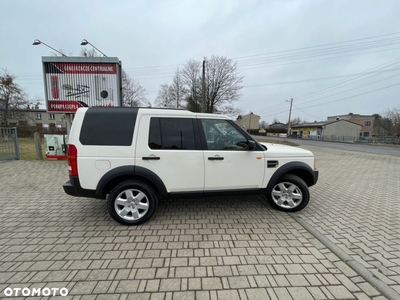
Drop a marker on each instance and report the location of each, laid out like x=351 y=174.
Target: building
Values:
x=249 y=122
x=276 y=129
x=368 y=123
x=337 y=130
x=34 y=116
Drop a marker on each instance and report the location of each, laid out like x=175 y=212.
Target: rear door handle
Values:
x=216 y=158
x=150 y=158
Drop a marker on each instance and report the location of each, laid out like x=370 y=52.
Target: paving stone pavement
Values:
x=356 y=206
x=204 y=248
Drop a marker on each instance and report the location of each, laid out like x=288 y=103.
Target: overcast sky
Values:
x=154 y=38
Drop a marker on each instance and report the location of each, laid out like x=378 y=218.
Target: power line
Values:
x=348 y=41
x=367 y=84
x=307 y=113
x=361 y=94
x=155 y=70
x=315 y=79
x=343 y=82
x=272 y=64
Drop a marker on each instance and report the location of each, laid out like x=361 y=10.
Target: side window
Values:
x=171 y=133
x=221 y=135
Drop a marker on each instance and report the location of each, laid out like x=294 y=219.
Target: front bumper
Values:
x=316 y=174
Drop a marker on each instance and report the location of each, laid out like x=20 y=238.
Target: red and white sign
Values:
x=73 y=82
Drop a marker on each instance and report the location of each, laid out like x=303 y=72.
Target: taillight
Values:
x=72 y=160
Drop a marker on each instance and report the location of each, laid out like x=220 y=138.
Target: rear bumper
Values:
x=73 y=188
x=70 y=189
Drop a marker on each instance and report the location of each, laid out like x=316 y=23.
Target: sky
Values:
x=331 y=57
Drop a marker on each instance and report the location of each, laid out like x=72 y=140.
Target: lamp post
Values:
x=38 y=42
x=85 y=42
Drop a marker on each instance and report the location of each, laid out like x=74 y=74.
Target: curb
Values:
x=382 y=287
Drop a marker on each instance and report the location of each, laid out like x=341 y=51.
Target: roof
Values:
x=323 y=123
x=278 y=125
x=351 y=115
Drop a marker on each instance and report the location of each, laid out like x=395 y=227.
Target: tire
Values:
x=132 y=202
x=290 y=193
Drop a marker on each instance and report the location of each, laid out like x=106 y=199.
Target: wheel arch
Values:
x=299 y=169
x=124 y=173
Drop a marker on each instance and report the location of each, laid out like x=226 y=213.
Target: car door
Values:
x=229 y=165
x=170 y=148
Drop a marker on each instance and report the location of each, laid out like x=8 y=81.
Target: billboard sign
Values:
x=73 y=82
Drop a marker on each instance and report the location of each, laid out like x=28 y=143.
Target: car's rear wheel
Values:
x=132 y=202
x=290 y=193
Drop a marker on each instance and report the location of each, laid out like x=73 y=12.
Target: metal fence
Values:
x=334 y=138
x=9 y=148
x=372 y=140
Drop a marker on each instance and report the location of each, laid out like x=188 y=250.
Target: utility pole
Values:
x=203 y=87
x=290 y=113
x=250 y=121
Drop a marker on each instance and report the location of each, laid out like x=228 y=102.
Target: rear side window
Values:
x=108 y=126
x=172 y=133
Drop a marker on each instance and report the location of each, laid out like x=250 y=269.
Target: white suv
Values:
x=136 y=155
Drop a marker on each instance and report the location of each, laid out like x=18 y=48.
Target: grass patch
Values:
x=27 y=150
x=283 y=142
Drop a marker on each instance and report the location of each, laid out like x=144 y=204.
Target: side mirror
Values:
x=251 y=145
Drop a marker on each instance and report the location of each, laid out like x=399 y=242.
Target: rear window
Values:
x=172 y=133
x=111 y=126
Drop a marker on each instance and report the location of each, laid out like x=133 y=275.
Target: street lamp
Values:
x=85 y=42
x=38 y=42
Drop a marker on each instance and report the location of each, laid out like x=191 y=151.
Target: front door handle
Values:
x=150 y=158
x=216 y=158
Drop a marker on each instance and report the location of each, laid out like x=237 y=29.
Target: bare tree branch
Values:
x=165 y=97
x=223 y=85
x=133 y=94
x=12 y=97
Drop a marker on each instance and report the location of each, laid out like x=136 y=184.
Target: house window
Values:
x=367 y=123
x=38 y=116
x=366 y=134
x=52 y=116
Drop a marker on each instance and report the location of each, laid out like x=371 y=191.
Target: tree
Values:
x=388 y=122
x=178 y=90
x=89 y=52
x=296 y=121
x=12 y=97
x=263 y=125
x=222 y=85
x=192 y=80
x=165 y=97
x=383 y=125
x=133 y=94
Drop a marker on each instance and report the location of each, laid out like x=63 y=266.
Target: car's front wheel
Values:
x=132 y=202
x=290 y=193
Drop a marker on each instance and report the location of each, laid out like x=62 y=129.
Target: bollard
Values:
x=39 y=154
